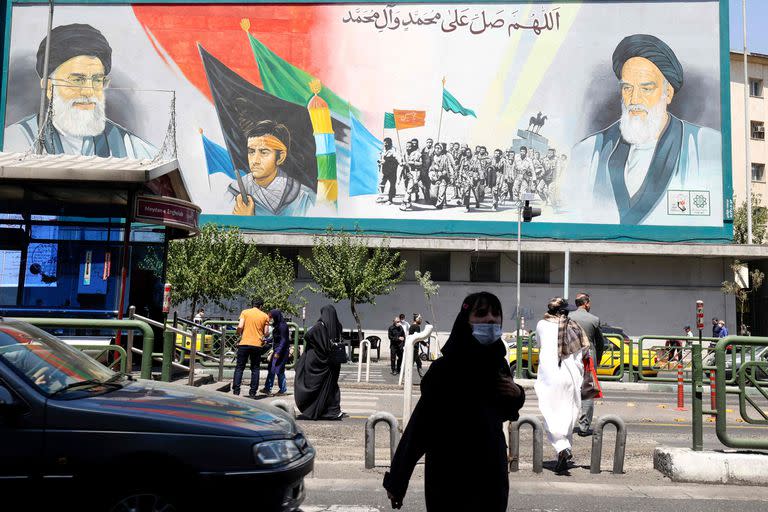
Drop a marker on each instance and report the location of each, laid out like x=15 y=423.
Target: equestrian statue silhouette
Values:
x=535 y=123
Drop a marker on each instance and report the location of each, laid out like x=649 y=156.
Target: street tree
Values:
x=430 y=289
x=741 y=290
x=272 y=279
x=759 y=222
x=343 y=266
x=209 y=267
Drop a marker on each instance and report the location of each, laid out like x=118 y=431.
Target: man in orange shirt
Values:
x=252 y=329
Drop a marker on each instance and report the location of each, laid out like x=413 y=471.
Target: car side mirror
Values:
x=7 y=402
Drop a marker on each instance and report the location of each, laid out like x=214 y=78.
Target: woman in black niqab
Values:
x=466 y=396
x=316 y=385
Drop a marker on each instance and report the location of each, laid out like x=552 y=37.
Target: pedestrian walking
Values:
x=404 y=323
x=199 y=317
x=281 y=346
x=562 y=345
x=252 y=330
x=396 y=337
x=590 y=324
x=723 y=332
x=316 y=386
x=474 y=477
x=715 y=327
x=413 y=329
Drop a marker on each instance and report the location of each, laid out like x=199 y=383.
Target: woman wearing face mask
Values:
x=561 y=372
x=280 y=347
x=457 y=423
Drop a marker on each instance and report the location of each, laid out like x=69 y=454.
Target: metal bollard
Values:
x=538 y=443
x=680 y=394
x=370 y=436
x=365 y=346
x=597 y=444
x=287 y=407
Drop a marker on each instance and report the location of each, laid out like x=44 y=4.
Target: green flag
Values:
x=389 y=120
x=451 y=104
x=290 y=83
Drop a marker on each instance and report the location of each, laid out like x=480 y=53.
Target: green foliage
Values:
x=209 y=267
x=741 y=291
x=430 y=289
x=152 y=261
x=759 y=222
x=272 y=278
x=344 y=267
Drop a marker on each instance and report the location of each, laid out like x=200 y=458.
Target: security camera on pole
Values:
x=525 y=213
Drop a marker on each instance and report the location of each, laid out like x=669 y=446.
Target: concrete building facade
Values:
x=755 y=133
x=643 y=288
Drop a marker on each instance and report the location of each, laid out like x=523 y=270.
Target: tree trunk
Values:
x=359 y=327
x=194 y=307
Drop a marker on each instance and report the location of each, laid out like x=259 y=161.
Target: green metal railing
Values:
x=752 y=379
x=113 y=325
x=231 y=339
x=120 y=358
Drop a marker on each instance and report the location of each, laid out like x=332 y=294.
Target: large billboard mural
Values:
x=426 y=118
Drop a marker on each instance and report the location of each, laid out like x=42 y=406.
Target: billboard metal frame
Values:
x=458 y=228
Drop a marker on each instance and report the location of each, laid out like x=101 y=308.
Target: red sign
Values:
x=167 y=211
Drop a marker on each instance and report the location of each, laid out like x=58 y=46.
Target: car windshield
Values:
x=46 y=362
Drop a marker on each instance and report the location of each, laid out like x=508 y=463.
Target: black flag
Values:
x=239 y=104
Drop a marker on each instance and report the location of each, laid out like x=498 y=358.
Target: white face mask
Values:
x=486 y=334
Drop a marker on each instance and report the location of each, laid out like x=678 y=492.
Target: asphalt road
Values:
x=341 y=484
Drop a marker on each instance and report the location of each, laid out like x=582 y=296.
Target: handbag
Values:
x=590 y=387
x=338 y=352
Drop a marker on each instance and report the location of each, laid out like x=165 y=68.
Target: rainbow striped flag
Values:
x=325 y=146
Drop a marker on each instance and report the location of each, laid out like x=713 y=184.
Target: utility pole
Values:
x=748 y=163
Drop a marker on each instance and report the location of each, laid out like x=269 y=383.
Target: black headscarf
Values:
x=651 y=48
x=461 y=339
x=331 y=321
x=69 y=41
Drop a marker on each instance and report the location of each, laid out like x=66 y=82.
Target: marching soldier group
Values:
x=440 y=174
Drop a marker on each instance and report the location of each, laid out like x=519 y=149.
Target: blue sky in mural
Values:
x=757 y=36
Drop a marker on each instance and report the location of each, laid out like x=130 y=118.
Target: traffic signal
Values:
x=529 y=212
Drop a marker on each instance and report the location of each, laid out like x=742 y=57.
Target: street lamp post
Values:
x=525 y=213
x=747 y=135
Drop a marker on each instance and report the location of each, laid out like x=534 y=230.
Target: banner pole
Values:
x=440 y=122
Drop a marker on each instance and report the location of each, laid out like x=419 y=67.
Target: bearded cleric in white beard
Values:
x=81 y=60
x=636 y=170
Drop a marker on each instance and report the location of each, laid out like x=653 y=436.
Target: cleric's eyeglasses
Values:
x=97 y=82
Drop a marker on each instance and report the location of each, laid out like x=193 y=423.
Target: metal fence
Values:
x=748 y=369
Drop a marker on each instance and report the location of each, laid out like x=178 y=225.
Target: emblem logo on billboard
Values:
x=688 y=202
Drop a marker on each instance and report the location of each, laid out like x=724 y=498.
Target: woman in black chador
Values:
x=317 y=377
x=457 y=424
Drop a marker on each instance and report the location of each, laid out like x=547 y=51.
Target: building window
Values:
x=535 y=267
x=758 y=172
x=484 y=268
x=755 y=88
x=758 y=130
x=438 y=264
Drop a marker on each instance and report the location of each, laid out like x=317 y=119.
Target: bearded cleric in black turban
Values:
x=69 y=41
x=653 y=49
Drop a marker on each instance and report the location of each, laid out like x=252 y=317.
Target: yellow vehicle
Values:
x=610 y=363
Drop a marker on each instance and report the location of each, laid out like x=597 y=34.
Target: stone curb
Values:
x=711 y=467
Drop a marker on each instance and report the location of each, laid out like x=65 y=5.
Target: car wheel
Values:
x=144 y=501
